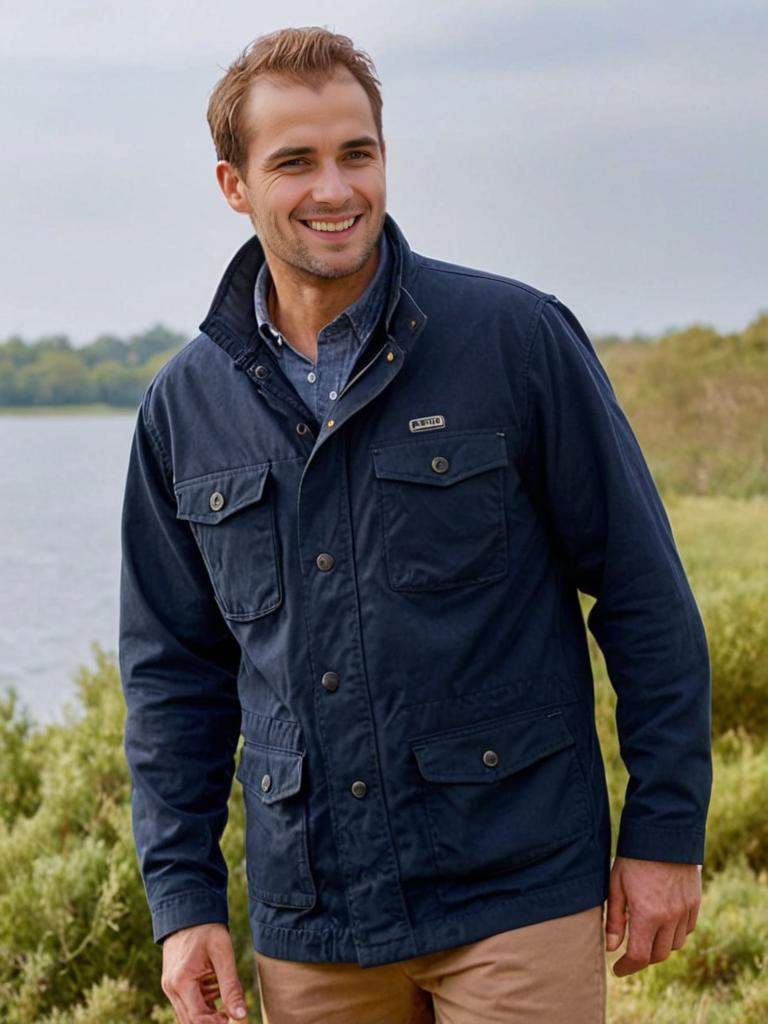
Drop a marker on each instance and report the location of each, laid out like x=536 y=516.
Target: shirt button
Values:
x=490 y=758
x=325 y=562
x=261 y=372
x=311 y=376
x=301 y=428
x=216 y=501
x=266 y=783
x=359 y=789
x=440 y=464
x=330 y=681
x=332 y=395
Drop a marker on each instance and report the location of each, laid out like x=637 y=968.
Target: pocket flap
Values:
x=212 y=498
x=492 y=750
x=441 y=460
x=271 y=773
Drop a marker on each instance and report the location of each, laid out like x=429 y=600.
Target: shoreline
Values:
x=95 y=409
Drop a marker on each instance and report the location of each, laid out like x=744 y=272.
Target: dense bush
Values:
x=74 y=926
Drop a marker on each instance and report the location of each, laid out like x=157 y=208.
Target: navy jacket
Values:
x=386 y=607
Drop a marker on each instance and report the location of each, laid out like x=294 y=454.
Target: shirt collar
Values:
x=362 y=315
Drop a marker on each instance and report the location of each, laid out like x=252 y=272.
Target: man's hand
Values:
x=662 y=900
x=199 y=968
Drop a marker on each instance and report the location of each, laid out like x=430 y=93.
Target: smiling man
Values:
x=359 y=510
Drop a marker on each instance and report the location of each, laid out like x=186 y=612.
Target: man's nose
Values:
x=330 y=186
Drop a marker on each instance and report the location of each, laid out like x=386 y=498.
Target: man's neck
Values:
x=300 y=307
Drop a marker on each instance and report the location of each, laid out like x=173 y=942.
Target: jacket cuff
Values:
x=683 y=846
x=201 y=906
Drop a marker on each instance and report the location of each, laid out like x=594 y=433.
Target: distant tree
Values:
x=105 y=347
x=115 y=384
x=17 y=350
x=53 y=343
x=56 y=377
x=147 y=344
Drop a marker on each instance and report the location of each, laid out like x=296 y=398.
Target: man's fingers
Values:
x=223 y=960
x=641 y=936
x=693 y=914
x=680 y=933
x=209 y=986
x=195 y=1007
x=662 y=943
x=616 y=916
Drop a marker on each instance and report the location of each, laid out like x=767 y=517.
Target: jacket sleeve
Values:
x=587 y=476
x=178 y=667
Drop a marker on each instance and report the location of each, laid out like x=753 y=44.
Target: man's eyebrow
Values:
x=291 y=151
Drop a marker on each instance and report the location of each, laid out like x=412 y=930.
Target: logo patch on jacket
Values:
x=426 y=423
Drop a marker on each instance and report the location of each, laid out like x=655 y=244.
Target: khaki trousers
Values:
x=553 y=972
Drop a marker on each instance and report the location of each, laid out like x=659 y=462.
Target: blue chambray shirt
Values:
x=338 y=343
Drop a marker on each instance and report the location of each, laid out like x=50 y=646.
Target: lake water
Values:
x=63 y=478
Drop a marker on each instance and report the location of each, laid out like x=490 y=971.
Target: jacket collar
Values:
x=231 y=319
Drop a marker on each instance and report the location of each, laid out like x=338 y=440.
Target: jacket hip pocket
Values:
x=232 y=518
x=502 y=794
x=276 y=851
x=442 y=509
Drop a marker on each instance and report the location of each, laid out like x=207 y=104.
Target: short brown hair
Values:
x=303 y=55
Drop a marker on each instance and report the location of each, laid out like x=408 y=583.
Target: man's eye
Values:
x=295 y=160
x=359 y=152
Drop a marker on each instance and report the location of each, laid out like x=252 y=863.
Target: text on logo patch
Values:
x=426 y=423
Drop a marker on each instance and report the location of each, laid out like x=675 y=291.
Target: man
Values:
x=359 y=509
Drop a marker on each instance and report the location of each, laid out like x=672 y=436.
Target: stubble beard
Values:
x=305 y=263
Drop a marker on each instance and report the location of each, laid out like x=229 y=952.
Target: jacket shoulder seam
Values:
x=485 y=275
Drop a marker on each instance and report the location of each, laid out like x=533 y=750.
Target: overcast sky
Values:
x=614 y=153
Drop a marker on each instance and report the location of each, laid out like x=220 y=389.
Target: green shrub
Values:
x=738 y=814
x=75 y=933
x=737 y=630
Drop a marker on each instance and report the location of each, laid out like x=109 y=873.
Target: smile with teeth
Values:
x=324 y=225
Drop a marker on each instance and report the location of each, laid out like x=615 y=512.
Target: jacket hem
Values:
x=338 y=945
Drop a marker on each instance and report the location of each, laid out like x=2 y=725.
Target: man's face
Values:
x=314 y=159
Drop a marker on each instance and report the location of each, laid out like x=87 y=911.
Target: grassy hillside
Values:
x=698 y=402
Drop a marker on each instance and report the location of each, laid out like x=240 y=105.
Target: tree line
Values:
x=110 y=370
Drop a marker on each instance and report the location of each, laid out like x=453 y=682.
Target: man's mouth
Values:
x=333 y=228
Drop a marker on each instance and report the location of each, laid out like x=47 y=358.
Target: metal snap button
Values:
x=301 y=428
x=216 y=501
x=490 y=758
x=266 y=783
x=325 y=562
x=330 y=681
x=261 y=372
x=440 y=464
x=359 y=789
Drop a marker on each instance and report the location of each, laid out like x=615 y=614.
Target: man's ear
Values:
x=232 y=186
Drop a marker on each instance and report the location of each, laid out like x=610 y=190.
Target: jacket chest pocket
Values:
x=502 y=794
x=442 y=509
x=232 y=518
x=277 y=858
